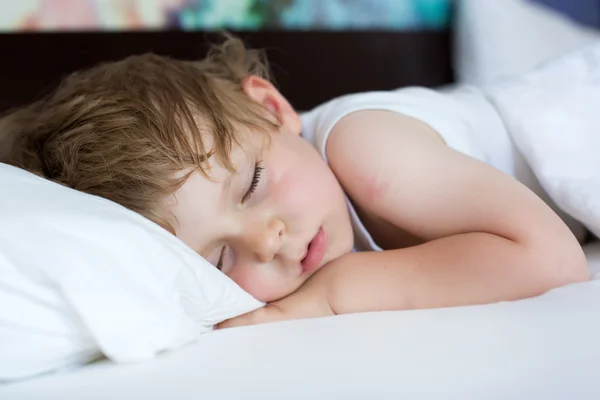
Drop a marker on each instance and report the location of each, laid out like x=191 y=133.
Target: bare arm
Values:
x=487 y=237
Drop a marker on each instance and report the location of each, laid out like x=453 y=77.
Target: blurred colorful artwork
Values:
x=120 y=15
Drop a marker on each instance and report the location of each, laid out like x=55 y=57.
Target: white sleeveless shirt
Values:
x=462 y=116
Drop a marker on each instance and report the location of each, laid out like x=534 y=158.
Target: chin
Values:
x=266 y=298
x=274 y=296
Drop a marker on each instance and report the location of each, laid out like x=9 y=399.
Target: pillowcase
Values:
x=495 y=39
x=81 y=276
x=552 y=114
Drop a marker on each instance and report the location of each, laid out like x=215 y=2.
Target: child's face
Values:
x=275 y=222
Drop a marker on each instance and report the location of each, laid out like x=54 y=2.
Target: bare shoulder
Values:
x=370 y=127
x=371 y=153
x=365 y=147
x=402 y=173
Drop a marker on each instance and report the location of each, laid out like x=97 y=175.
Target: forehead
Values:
x=198 y=204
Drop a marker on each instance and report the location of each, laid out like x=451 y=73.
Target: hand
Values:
x=309 y=301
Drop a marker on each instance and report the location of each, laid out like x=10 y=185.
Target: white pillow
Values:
x=553 y=116
x=494 y=39
x=82 y=276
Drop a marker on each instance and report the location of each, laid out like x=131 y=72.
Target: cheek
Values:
x=303 y=184
x=292 y=188
x=261 y=285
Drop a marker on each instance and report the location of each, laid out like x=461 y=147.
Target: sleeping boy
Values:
x=395 y=200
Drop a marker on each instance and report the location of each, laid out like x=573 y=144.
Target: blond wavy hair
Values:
x=126 y=130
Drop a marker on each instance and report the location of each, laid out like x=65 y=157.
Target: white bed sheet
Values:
x=541 y=348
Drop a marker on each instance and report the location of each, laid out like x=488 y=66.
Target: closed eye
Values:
x=220 y=262
x=254 y=183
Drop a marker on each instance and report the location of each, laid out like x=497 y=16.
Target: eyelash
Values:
x=220 y=262
x=258 y=169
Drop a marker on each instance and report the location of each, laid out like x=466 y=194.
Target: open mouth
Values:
x=315 y=252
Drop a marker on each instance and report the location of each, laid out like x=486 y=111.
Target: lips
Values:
x=315 y=252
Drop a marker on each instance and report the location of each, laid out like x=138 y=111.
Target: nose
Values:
x=264 y=238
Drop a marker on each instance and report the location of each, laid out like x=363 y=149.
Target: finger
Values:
x=242 y=320
x=268 y=313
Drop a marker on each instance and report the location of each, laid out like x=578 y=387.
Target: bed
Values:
x=531 y=350
x=539 y=348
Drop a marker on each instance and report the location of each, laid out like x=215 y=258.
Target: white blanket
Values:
x=553 y=116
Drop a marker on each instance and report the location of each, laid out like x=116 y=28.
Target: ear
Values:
x=263 y=92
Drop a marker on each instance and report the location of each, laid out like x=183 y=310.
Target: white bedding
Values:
x=541 y=348
x=552 y=115
x=495 y=39
x=82 y=276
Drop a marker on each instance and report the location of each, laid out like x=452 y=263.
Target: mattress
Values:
x=540 y=348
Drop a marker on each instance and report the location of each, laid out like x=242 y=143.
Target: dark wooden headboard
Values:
x=309 y=66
